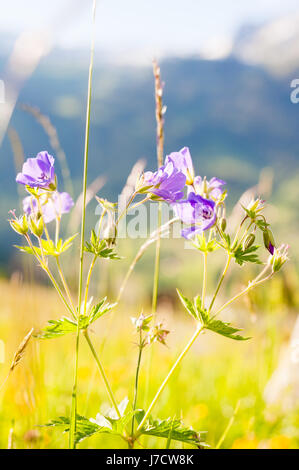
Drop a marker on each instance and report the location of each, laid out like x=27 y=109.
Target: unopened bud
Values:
x=269 y=240
x=223 y=224
x=279 y=257
x=37 y=227
x=249 y=240
x=19 y=225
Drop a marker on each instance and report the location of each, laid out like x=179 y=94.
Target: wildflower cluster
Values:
x=199 y=204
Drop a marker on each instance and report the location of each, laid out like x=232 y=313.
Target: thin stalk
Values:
x=102 y=372
x=160 y=151
x=169 y=375
x=87 y=128
x=65 y=285
x=47 y=270
x=229 y=425
x=157 y=264
x=136 y=381
x=220 y=281
x=88 y=282
x=244 y=291
x=204 y=282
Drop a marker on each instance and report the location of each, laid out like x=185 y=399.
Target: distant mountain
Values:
x=273 y=45
x=236 y=119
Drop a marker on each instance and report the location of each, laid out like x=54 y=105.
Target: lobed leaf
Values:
x=170 y=427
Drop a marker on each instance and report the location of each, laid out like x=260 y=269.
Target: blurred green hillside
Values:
x=236 y=119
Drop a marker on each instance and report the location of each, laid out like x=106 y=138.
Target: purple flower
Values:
x=197 y=212
x=38 y=172
x=167 y=183
x=182 y=161
x=52 y=207
x=211 y=189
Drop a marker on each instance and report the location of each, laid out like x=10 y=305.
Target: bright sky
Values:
x=138 y=28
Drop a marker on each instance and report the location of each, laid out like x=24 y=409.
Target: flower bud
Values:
x=37 y=227
x=223 y=224
x=19 y=225
x=269 y=240
x=279 y=257
x=249 y=240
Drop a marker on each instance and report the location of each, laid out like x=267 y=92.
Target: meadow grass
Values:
x=204 y=391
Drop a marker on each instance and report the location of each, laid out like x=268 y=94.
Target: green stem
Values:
x=244 y=291
x=170 y=373
x=229 y=425
x=220 y=281
x=88 y=282
x=136 y=381
x=157 y=264
x=109 y=390
x=72 y=444
x=204 y=282
x=65 y=285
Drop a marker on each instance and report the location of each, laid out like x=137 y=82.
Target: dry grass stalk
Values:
x=20 y=351
x=160 y=110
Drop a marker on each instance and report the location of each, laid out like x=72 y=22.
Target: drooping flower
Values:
x=269 y=240
x=197 y=212
x=210 y=189
x=182 y=161
x=52 y=207
x=166 y=184
x=38 y=172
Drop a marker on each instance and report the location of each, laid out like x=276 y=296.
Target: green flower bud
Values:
x=279 y=257
x=37 y=227
x=223 y=224
x=20 y=225
x=249 y=240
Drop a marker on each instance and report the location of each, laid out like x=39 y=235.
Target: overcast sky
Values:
x=138 y=28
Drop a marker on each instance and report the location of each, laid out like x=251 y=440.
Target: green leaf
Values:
x=58 y=328
x=100 y=248
x=99 y=310
x=163 y=428
x=224 y=329
x=242 y=255
x=84 y=427
x=67 y=325
x=205 y=246
x=27 y=249
x=188 y=305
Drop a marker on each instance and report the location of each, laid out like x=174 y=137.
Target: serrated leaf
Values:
x=188 y=305
x=84 y=427
x=242 y=255
x=100 y=248
x=162 y=428
x=58 y=328
x=99 y=310
x=224 y=329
